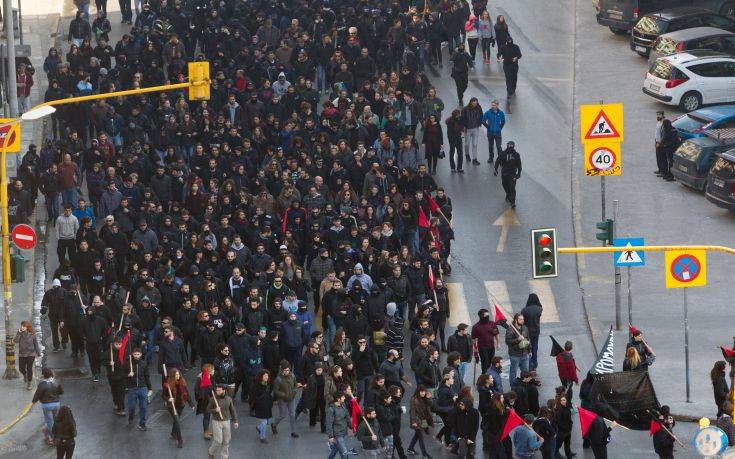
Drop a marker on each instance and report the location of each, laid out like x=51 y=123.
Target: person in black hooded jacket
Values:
x=207 y=342
x=532 y=318
x=94 y=328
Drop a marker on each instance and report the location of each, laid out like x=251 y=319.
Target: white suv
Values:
x=692 y=79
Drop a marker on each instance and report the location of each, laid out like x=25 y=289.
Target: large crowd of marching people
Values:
x=281 y=249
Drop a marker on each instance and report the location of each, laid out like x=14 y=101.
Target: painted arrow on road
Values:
x=505 y=221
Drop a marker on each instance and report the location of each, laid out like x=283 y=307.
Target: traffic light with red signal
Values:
x=543 y=255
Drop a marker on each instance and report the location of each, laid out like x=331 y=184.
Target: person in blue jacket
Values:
x=494 y=120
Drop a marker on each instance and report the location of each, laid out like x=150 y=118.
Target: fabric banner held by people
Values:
x=605 y=362
x=628 y=393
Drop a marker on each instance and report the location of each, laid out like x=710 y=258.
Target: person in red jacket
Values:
x=567 y=369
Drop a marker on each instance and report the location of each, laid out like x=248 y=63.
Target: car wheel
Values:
x=618 y=31
x=642 y=54
x=728 y=9
x=690 y=101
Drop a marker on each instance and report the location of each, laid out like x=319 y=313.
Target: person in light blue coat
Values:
x=494 y=121
x=525 y=440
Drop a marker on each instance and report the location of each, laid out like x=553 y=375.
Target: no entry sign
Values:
x=24 y=237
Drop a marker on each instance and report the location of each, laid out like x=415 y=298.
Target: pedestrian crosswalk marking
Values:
x=497 y=291
x=458 y=312
x=542 y=288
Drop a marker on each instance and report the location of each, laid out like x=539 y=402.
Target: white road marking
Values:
x=498 y=291
x=542 y=288
x=457 y=304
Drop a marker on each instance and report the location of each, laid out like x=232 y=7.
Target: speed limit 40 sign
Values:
x=602 y=159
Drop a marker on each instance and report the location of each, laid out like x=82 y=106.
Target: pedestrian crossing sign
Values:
x=629 y=257
x=601 y=123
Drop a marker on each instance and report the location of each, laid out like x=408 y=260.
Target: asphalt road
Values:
x=568 y=60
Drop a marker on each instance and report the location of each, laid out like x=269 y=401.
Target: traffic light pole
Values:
x=602 y=193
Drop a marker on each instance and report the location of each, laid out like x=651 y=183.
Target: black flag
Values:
x=628 y=394
x=556 y=348
x=605 y=362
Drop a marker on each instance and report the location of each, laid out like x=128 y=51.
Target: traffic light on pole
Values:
x=544 y=252
x=607 y=231
x=199 y=73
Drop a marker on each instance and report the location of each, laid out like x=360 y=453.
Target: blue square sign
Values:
x=629 y=257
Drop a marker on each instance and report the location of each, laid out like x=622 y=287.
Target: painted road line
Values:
x=542 y=288
x=498 y=291
x=458 y=312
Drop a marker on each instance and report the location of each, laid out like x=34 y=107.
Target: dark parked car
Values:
x=685 y=40
x=721 y=181
x=650 y=26
x=694 y=158
x=621 y=15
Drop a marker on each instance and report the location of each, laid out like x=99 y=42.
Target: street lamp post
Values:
x=11 y=371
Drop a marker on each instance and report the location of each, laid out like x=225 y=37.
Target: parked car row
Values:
x=706 y=162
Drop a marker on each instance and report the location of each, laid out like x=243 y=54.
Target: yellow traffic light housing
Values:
x=199 y=80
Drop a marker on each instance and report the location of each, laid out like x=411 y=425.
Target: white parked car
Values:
x=692 y=79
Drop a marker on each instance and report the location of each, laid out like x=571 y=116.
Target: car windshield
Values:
x=689 y=150
x=689 y=123
x=661 y=68
x=649 y=25
x=665 y=46
x=723 y=169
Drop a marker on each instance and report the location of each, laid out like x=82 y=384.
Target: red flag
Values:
x=433 y=206
x=727 y=353
x=206 y=380
x=431 y=278
x=121 y=352
x=655 y=427
x=585 y=419
x=423 y=221
x=356 y=412
x=511 y=423
x=500 y=315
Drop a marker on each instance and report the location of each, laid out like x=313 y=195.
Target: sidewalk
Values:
x=18 y=418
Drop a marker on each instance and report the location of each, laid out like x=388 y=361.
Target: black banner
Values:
x=605 y=362
x=627 y=394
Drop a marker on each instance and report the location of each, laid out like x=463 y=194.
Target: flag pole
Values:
x=368 y=425
x=112 y=360
x=122 y=316
x=433 y=289
x=130 y=360
x=671 y=434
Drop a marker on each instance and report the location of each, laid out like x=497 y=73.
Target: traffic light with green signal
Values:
x=544 y=253
x=607 y=231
